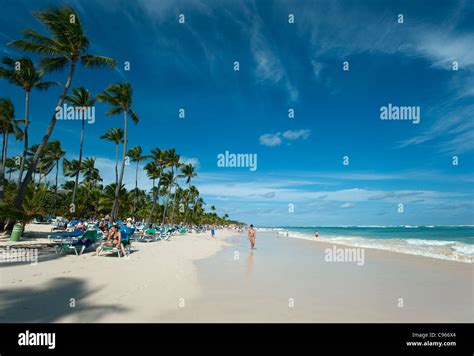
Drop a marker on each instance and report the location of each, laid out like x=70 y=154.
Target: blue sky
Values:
x=283 y=66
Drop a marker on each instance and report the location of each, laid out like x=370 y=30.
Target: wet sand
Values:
x=288 y=280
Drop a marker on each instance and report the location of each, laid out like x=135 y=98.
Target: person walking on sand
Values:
x=251 y=237
x=213 y=231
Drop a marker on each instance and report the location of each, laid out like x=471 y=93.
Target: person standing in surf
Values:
x=251 y=237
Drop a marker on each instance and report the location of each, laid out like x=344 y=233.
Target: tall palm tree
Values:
x=70 y=168
x=90 y=172
x=67 y=44
x=153 y=172
x=114 y=135
x=54 y=153
x=8 y=125
x=167 y=181
x=23 y=73
x=80 y=98
x=11 y=166
x=136 y=156
x=193 y=195
x=159 y=159
x=188 y=173
x=178 y=195
x=171 y=160
x=119 y=97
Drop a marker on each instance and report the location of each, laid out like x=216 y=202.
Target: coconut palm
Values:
x=54 y=153
x=70 y=168
x=80 y=98
x=135 y=155
x=168 y=179
x=11 y=167
x=159 y=158
x=67 y=44
x=153 y=172
x=189 y=173
x=90 y=172
x=171 y=160
x=23 y=73
x=119 y=97
x=114 y=135
x=8 y=125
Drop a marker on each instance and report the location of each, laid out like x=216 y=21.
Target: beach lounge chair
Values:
x=78 y=244
x=125 y=241
x=66 y=235
x=150 y=235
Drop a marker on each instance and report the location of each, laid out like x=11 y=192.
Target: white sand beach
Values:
x=194 y=278
x=154 y=279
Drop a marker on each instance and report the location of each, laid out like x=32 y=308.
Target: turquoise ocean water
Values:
x=443 y=242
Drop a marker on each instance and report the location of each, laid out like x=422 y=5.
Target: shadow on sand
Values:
x=51 y=302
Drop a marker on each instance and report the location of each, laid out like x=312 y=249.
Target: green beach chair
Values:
x=150 y=235
x=125 y=241
x=79 y=248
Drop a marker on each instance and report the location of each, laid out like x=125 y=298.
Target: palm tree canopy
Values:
x=23 y=73
x=8 y=123
x=53 y=151
x=135 y=154
x=119 y=97
x=188 y=172
x=68 y=41
x=113 y=135
x=80 y=97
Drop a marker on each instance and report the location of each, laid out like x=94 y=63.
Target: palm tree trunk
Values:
x=166 y=204
x=116 y=163
x=34 y=162
x=57 y=173
x=154 y=196
x=174 y=205
x=187 y=203
x=76 y=183
x=136 y=190
x=122 y=168
x=25 y=138
x=167 y=197
x=2 y=163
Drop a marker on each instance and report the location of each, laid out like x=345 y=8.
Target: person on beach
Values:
x=114 y=239
x=213 y=232
x=251 y=237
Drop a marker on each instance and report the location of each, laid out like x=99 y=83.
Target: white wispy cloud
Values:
x=296 y=134
x=270 y=140
x=276 y=139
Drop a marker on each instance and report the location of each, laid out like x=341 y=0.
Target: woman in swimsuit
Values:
x=114 y=239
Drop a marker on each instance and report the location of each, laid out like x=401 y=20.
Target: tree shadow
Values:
x=51 y=302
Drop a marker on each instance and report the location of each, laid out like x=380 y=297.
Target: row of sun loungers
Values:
x=80 y=241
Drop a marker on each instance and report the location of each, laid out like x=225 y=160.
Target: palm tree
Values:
x=12 y=167
x=67 y=44
x=178 y=194
x=8 y=125
x=23 y=73
x=167 y=181
x=70 y=168
x=119 y=97
x=153 y=172
x=54 y=153
x=80 y=98
x=90 y=172
x=188 y=173
x=135 y=155
x=114 y=135
x=171 y=160
x=159 y=159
